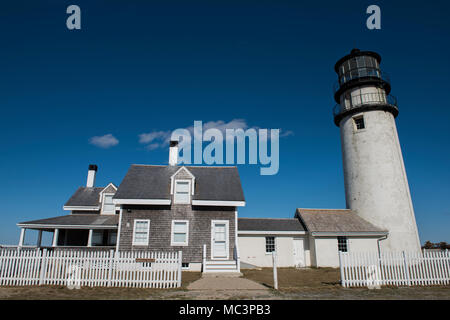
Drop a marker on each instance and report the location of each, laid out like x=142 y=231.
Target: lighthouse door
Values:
x=299 y=252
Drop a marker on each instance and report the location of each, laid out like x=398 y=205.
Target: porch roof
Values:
x=74 y=221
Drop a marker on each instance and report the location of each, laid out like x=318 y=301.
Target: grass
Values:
x=323 y=283
x=291 y=279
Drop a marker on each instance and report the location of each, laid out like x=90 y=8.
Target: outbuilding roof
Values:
x=93 y=220
x=153 y=182
x=269 y=224
x=335 y=220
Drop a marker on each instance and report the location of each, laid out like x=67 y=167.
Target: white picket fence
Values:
x=394 y=268
x=90 y=268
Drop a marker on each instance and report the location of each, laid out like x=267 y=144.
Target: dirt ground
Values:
x=293 y=283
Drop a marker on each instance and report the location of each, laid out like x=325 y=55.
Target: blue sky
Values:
x=138 y=67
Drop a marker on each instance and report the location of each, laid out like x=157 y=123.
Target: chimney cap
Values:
x=93 y=167
x=173 y=143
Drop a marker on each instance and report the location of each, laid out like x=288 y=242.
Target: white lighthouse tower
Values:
x=376 y=186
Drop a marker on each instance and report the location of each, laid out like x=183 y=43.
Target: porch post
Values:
x=55 y=238
x=39 y=239
x=22 y=237
x=89 y=244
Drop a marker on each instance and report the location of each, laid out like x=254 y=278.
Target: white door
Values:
x=299 y=252
x=219 y=239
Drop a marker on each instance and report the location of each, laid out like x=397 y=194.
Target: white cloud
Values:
x=161 y=139
x=106 y=141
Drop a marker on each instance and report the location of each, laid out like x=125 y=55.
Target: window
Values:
x=141 y=232
x=180 y=231
x=182 y=191
x=270 y=244
x=359 y=123
x=185 y=266
x=342 y=244
x=108 y=205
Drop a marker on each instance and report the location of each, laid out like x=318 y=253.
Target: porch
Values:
x=74 y=231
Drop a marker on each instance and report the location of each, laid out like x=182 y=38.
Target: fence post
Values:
x=341 y=267
x=43 y=270
x=204 y=258
x=406 y=269
x=180 y=261
x=111 y=261
x=275 y=273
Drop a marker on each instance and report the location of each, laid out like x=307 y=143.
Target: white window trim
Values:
x=103 y=204
x=172 y=180
x=134 y=243
x=357 y=116
x=274 y=244
x=172 y=241
x=189 y=192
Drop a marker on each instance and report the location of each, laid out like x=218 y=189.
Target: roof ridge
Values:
x=190 y=166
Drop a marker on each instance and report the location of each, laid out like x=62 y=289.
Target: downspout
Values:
x=118 y=229
x=378 y=245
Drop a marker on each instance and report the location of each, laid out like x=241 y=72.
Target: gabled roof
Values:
x=269 y=224
x=89 y=197
x=74 y=220
x=85 y=196
x=335 y=221
x=153 y=182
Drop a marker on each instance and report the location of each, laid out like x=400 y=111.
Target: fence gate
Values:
x=90 y=268
x=394 y=268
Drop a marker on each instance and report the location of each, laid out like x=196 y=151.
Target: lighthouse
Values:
x=376 y=186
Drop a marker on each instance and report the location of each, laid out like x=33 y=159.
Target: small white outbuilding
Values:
x=313 y=237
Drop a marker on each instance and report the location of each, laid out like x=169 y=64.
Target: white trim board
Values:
x=143 y=201
x=218 y=203
x=61 y=226
x=81 y=208
x=271 y=232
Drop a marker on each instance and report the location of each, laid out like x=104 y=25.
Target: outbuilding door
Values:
x=219 y=239
x=299 y=252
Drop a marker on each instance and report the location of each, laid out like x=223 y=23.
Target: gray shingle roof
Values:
x=266 y=224
x=153 y=182
x=335 y=220
x=85 y=197
x=77 y=219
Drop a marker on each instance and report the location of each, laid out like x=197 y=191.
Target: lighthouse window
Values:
x=342 y=244
x=359 y=123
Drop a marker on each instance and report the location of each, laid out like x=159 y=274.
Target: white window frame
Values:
x=175 y=191
x=144 y=243
x=103 y=204
x=346 y=243
x=357 y=117
x=172 y=234
x=274 y=244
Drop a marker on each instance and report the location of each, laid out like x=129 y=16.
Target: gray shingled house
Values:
x=157 y=208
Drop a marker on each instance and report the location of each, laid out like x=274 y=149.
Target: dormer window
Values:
x=108 y=205
x=182 y=194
